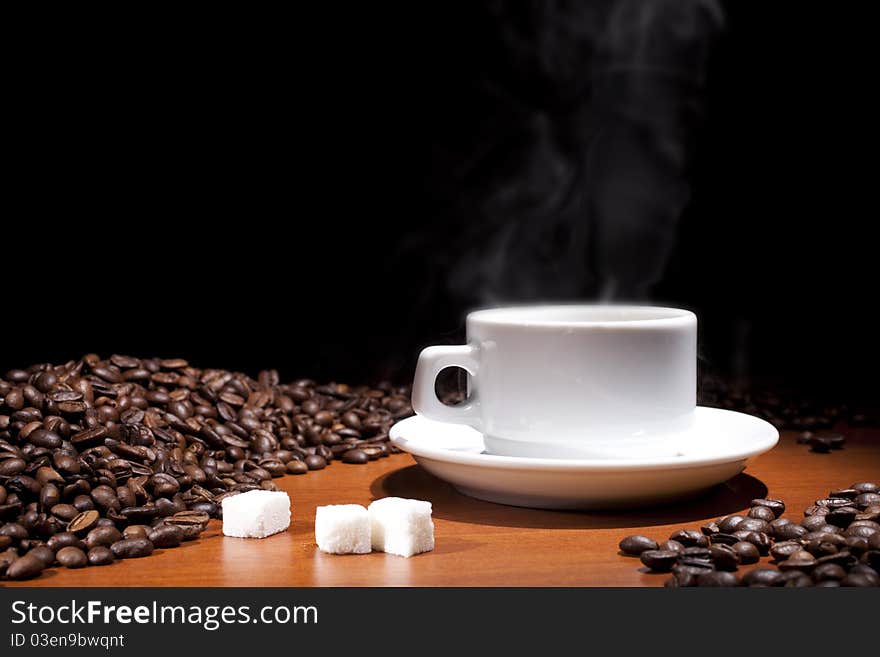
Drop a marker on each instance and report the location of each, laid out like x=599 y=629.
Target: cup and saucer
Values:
x=577 y=407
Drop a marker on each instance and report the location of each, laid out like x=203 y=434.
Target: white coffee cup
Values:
x=570 y=381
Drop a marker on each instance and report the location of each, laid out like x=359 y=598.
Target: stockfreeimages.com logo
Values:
x=210 y=617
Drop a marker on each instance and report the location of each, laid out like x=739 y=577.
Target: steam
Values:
x=587 y=182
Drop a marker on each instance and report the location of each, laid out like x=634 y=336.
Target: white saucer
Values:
x=719 y=446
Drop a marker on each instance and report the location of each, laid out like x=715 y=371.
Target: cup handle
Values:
x=424 y=400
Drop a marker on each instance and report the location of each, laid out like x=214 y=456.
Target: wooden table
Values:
x=478 y=543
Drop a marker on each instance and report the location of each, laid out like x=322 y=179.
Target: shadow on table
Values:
x=413 y=481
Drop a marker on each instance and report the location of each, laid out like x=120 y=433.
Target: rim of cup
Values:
x=579 y=315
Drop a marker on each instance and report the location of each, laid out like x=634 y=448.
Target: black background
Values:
x=269 y=195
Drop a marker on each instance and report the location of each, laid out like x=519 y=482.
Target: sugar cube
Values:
x=342 y=529
x=256 y=514
x=401 y=526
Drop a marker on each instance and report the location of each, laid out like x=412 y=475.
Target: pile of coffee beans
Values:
x=836 y=544
x=784 y=409
x=105 y=459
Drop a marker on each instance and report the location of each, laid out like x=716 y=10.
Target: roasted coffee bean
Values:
x=812 y=523
x=841 y=517
x=762 y=577
x=746 y=552
x=636 y=544
x=725 y=557
x=106 y=536
x=45 y=554
x=83 y=522
x=355 y=456
x=192 y=523
x=782 y=550
x=762 y=513
x=709 y=529
x=14 y=531
x=297 y=467
x=72 y=557
x=690 y=538
x=851 y=580
x=828 y=571
x=865 y=500
x=728 y=524
x=724 y=539
x=866 y=487
x=64 y=539
x=848 y=493
x=674 y=546
x=857 y=545
x=132 y=548
x=717 y=578
x=787 y=531
x=801 y=560
x=776 y=506
x=135 y=531
x=26 y=567
x=166 y=536
x=754 y=525
x=660 y=561
x=315 y=462
x=101 y=555
x=796 y=580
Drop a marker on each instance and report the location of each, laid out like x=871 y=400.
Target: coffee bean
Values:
x=866 y=487
x=762 y=513
x=827 y=571
x=26 y=567
x=709 y=529
x=132 y=548
x=690 y=538
x=315 y=462
x=728 y=524
x=355 y=456
x=725 y=557
x=102 y=536
x=63 y=540
x=44 y=554
x=801 y=560
x=12 y=466
x=848 y=493
x=659 y=560
x=784 y=549
x=797 y=580
x=776 y=506
x=762 y=577
x=841 y=516
x=787 y=531
x=812 y=523
x=72 y=557
x=101 y=555
x=83 y=522
x=725 y=539
x=717 y=578
x=191 y=523
x=297 y=467
x=865 y=500
x=636 y=544
x=166 y=536
x=851 y=580
x=135 y=531
x=674 y=546
x=746 y=552
x=754 y=525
